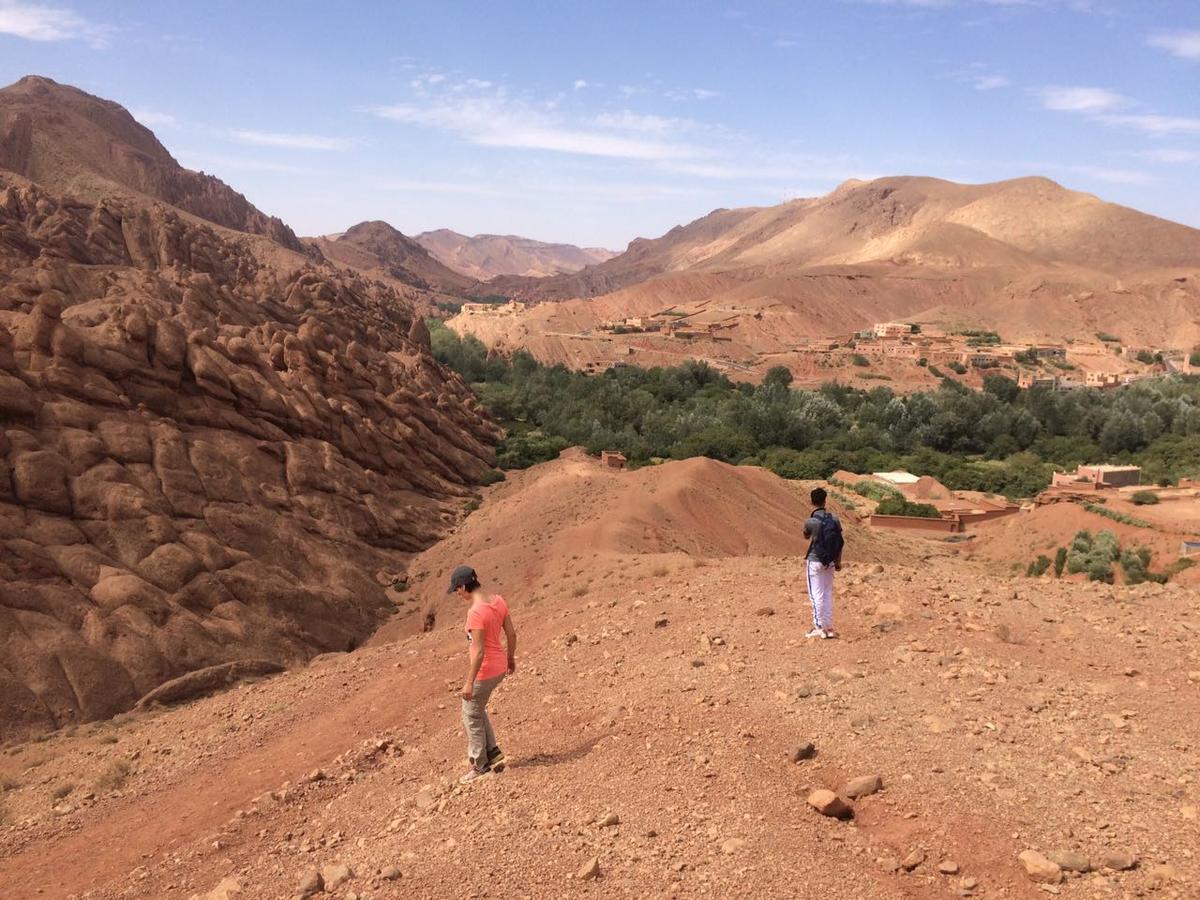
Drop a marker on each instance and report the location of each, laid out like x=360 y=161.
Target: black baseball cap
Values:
x=461 y=577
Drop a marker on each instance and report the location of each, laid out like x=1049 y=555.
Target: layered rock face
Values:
x=70 y=141
x=209 y=451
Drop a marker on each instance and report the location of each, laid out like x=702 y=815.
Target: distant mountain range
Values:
x=485 y=256
x=1027 y=258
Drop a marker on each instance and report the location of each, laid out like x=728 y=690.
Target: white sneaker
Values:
x=816 y=633
x=829 y=634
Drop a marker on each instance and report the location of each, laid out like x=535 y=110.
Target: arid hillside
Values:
x=212 y=449
x=665 y=729
x=380 y=250
x=485 y=256
x=75 y=144
x=1026 y=258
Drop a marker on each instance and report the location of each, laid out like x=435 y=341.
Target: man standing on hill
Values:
x=487 y=616
x=824 y=557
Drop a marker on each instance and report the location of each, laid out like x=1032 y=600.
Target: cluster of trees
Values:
x=1001 y=439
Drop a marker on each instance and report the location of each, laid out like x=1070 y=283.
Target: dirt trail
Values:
x=1002 y=715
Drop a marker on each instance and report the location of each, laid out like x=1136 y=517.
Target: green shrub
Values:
x=1194 y=358
x=899 y=506
x=492 y=476
x=859 y=360
x=1145 y=498
x=1116 y=516
x=1060 y=561
x=1038 y=567
x=956 y=366
x=1107 y=338
x=874 y=490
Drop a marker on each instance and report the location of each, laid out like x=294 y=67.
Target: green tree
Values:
x=780 y=376
x=1060 y=561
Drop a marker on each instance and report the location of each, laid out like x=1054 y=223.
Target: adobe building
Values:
x=892 y=329
x=1098 y=477
x=613 y=459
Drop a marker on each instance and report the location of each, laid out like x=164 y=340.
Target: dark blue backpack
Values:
x=827 y=542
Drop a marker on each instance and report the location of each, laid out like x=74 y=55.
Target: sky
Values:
x=601 y=122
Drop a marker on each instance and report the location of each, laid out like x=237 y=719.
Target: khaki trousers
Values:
x=480 y=736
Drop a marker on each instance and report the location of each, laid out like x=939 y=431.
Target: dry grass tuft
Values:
x=114 y=776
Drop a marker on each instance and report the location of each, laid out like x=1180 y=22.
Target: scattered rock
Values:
x=1040 y=869
x=803 y=752
x=863 y=786
x=765 y=611
x=589 y=870
x=732 y=845
x=948 y=867
x=335 y=875
x=1119 y=860
x=391 y=873
x=311 y=882
x=661 y=622
x=1071 y=861
x=915 y=858
x=827 y=803
x=608 y=820
x=227 y=889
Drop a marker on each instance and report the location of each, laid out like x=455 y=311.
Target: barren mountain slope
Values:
x=209 y=451
x=651 y=727
x=1026 y=258
x=78 y=145
x=377 y=247
x=485 y=256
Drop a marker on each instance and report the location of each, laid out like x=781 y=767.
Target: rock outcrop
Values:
x=72 y=142
x=209 y=450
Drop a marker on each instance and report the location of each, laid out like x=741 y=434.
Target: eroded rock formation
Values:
x=209 y=449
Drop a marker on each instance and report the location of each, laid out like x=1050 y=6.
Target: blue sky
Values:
x=597 y=123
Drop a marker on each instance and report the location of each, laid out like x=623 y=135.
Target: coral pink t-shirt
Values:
x=489 y=618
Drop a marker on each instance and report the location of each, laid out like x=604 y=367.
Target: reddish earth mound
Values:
x=208 y=450
x=573 y=525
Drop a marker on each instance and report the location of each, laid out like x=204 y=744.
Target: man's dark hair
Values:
x=818 y=496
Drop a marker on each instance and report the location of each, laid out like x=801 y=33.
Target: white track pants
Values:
x=820 y=593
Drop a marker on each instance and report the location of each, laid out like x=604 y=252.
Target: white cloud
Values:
x=785 y=43
x=34 y=22
x=580 y=84
x=704 y=93
x=493 y=119
x=626 y=120
x=205 y=162
x=1170 y=155
x=1112 y=176
x=989 y=82
x=410 y=186
x=291 y=141
x=1154 y=124
x=1184 y=44
x=152 y=119
x=1082 y=99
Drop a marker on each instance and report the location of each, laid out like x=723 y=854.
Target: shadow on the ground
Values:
x=558 y=757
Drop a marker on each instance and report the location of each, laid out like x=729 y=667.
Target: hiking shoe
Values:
x=816 y=633
x=474 y=773
x=495 y=759
x=829 y=634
